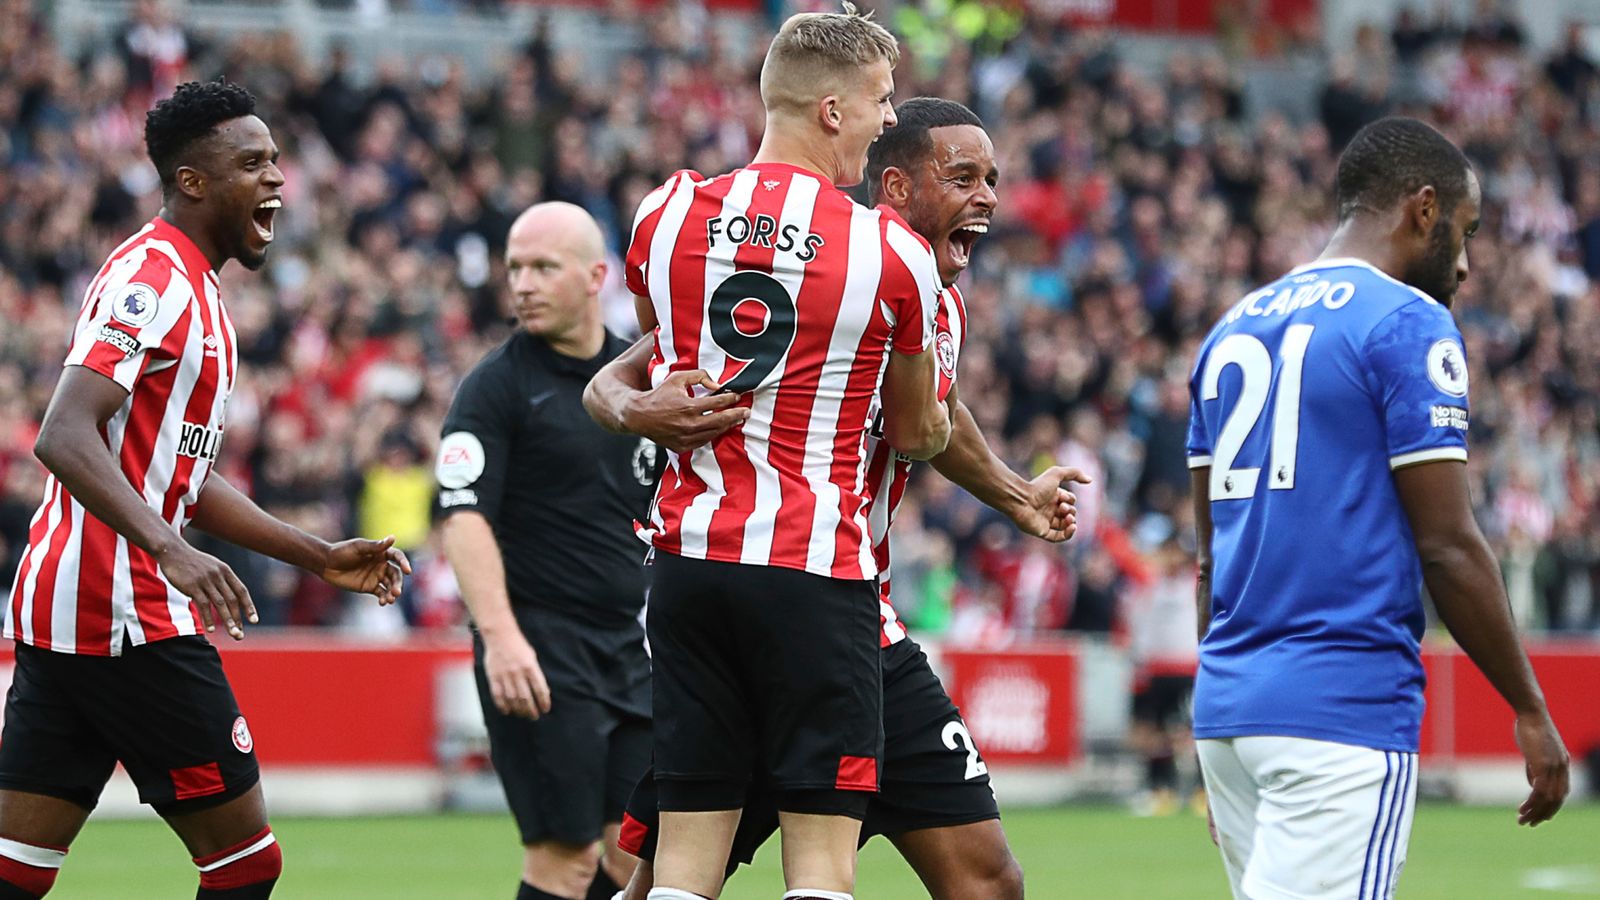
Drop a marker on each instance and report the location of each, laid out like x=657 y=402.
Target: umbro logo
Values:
x=771 y=185
x=211 y=341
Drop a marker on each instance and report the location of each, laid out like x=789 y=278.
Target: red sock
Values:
x=245 y=871
x=28 y=870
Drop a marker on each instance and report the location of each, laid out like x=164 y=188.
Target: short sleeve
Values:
x=1417 y=373
x=635 y=264
x=139 y=317
x=475 y=447
x=911 y=288
x=1198 y=446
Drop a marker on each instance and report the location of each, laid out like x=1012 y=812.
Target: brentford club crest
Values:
x=241 y=736
x=945 y=347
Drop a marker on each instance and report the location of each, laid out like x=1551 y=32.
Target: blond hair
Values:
x=813 y=51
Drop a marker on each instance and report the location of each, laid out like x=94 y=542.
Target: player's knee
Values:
x=997 y=877
x=254 y=861
x=566 y=867
x=28 y=870
x=1007 y=882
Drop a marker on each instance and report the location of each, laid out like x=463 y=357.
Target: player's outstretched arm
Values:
x=1464 y=581
x=516 y=681
x=359 y=565
x=620 y=399
x=915 y=421
x=71 y=446
x=1042 y=507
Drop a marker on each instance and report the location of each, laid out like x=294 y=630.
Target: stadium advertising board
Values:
x=1020 y=704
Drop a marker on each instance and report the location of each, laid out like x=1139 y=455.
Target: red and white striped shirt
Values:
x=888 y=472
x=153 y=321
x=792 y=295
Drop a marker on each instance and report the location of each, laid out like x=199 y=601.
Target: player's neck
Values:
x=791 y=150
x=195 y=234
x=1358 y=239
x=582 y=342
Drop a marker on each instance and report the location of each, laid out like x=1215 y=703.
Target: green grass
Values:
x=1093 y=852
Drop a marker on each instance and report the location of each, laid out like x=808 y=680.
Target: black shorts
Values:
x=568 y=773
x=768 y=670
x=164 y=710
x=933 y=776
x=1164 y=700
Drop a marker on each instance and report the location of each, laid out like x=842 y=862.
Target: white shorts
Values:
x=1300 y=819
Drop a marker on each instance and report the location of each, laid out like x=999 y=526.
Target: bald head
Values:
x=564 y=225
x=555 y=263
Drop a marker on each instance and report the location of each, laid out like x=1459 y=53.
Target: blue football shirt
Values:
x=1304 y=399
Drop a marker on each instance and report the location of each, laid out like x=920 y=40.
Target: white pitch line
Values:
x=1565 y=879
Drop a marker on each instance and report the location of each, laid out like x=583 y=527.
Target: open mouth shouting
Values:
x=963 y=238
x=263 y=215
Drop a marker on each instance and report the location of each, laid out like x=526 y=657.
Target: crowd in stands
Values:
x=1136 y=206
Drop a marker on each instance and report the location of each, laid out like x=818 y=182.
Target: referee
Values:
x=537 y=505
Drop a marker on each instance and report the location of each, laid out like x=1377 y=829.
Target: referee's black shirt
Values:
x=560 y=492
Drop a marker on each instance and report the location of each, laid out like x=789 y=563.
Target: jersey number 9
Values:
x=740 y=296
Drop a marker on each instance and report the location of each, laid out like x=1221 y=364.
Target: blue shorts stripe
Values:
x=1377 y=819
x=1391 y=839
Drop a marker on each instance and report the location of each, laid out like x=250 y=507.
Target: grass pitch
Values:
x=1090 y=852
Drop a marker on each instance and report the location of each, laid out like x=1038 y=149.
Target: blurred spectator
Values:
x=1162 y=625
x=1571 y=71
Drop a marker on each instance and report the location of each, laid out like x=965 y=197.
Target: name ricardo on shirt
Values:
x=199 y=442
x=1295 y=295
x=763 y=231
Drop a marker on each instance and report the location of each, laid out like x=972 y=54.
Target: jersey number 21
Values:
x=1255 y=368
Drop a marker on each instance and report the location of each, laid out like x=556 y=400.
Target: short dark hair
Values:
x=908 y=141
x=1396 y=156
x=193 y=110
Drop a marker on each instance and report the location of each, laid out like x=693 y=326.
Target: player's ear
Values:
x=828 y=113
x=1423 y=209
x=190 y=182
x=896 y=186
x=597 y=276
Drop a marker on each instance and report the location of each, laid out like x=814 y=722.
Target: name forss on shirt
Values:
x=762 y=231
x=1304 y=399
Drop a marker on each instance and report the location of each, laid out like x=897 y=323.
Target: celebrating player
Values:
x=800 y=302
x=538 y=504
x=936 y=169
x=1308 y=701
x=110 y=665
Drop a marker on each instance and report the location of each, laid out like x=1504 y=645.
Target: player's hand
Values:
x=215 y=590
x=1547 y=764
x=515 y=680
x=673 y=417
x=1049 y=510
x=367 y=567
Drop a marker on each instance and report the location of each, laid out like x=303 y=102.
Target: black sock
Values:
x=602 y=887
x=1162 y=771
x=261 y=890
x=526 y=891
